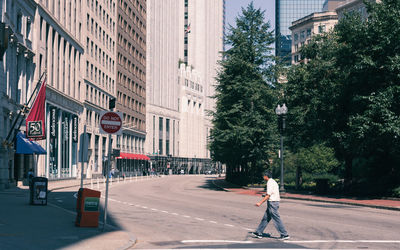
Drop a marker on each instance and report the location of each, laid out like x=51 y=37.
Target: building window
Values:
x=160 y=136
x=167 y=137
x=321 y=28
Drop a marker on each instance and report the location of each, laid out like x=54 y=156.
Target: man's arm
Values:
x=263 y=200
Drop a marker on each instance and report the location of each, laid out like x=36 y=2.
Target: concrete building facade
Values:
x=184 y=41
x=349 y=6
x=308 y=26
x=99 y=77
x=17 y=78
x=287 y=11
x=59 y=50
x=131 y=74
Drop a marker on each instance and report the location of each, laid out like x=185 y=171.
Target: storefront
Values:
x=133 y=164
x=62 y=143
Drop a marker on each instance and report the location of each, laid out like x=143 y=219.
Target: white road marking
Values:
x=186 y=216
x=216 y=241
x=343 y=241
x=247 y=229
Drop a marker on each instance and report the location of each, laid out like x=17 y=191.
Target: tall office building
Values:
x=131 y=75
x=287 y=11
x=99 y=73
x=184 y=41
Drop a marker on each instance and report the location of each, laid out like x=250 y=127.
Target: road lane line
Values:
x=186 y=216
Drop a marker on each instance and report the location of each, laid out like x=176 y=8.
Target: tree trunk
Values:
x=298 y=177
x=348 y=177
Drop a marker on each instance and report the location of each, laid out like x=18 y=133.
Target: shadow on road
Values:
x=24 y=226
x=217 y=184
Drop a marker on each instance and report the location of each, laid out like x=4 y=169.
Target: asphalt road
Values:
x=191 y=212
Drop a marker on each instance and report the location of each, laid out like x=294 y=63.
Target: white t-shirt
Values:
x=273 y=190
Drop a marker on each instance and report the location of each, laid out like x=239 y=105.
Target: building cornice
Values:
x=314 y=17
x=55 y=96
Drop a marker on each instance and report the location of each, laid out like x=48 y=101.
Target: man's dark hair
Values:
x=268 y=173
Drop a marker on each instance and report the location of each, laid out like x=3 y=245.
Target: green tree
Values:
x=244 y=120
x=347 y=93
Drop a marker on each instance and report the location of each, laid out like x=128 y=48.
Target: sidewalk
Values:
x=391 y=204
x=24 y=226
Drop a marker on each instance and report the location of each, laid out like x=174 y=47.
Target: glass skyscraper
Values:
x=287 y=11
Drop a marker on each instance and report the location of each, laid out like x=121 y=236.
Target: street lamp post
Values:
x=281 y=112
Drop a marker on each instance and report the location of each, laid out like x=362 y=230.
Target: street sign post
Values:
x=110 y=123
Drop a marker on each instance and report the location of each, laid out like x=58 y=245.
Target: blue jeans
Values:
x=272 y=213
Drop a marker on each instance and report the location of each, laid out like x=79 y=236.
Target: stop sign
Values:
x=110 y=122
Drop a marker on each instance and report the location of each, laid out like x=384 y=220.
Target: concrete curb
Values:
x=322 y=200
x=131 y=243
x=342 y=202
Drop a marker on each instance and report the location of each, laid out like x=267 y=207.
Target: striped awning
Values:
x=133 y=156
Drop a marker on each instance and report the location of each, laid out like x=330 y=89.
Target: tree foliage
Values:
x=347 y=95
x=244 y=121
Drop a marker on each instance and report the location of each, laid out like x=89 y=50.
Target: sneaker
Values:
x=284 y=237
x=256 y=235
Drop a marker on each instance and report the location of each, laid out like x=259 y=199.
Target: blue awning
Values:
x=28 y=147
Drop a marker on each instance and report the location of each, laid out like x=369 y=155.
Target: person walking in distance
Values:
x=272 y=197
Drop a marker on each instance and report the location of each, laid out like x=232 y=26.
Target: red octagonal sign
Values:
x=110 y=122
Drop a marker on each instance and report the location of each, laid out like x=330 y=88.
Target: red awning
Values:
x=133 y=156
